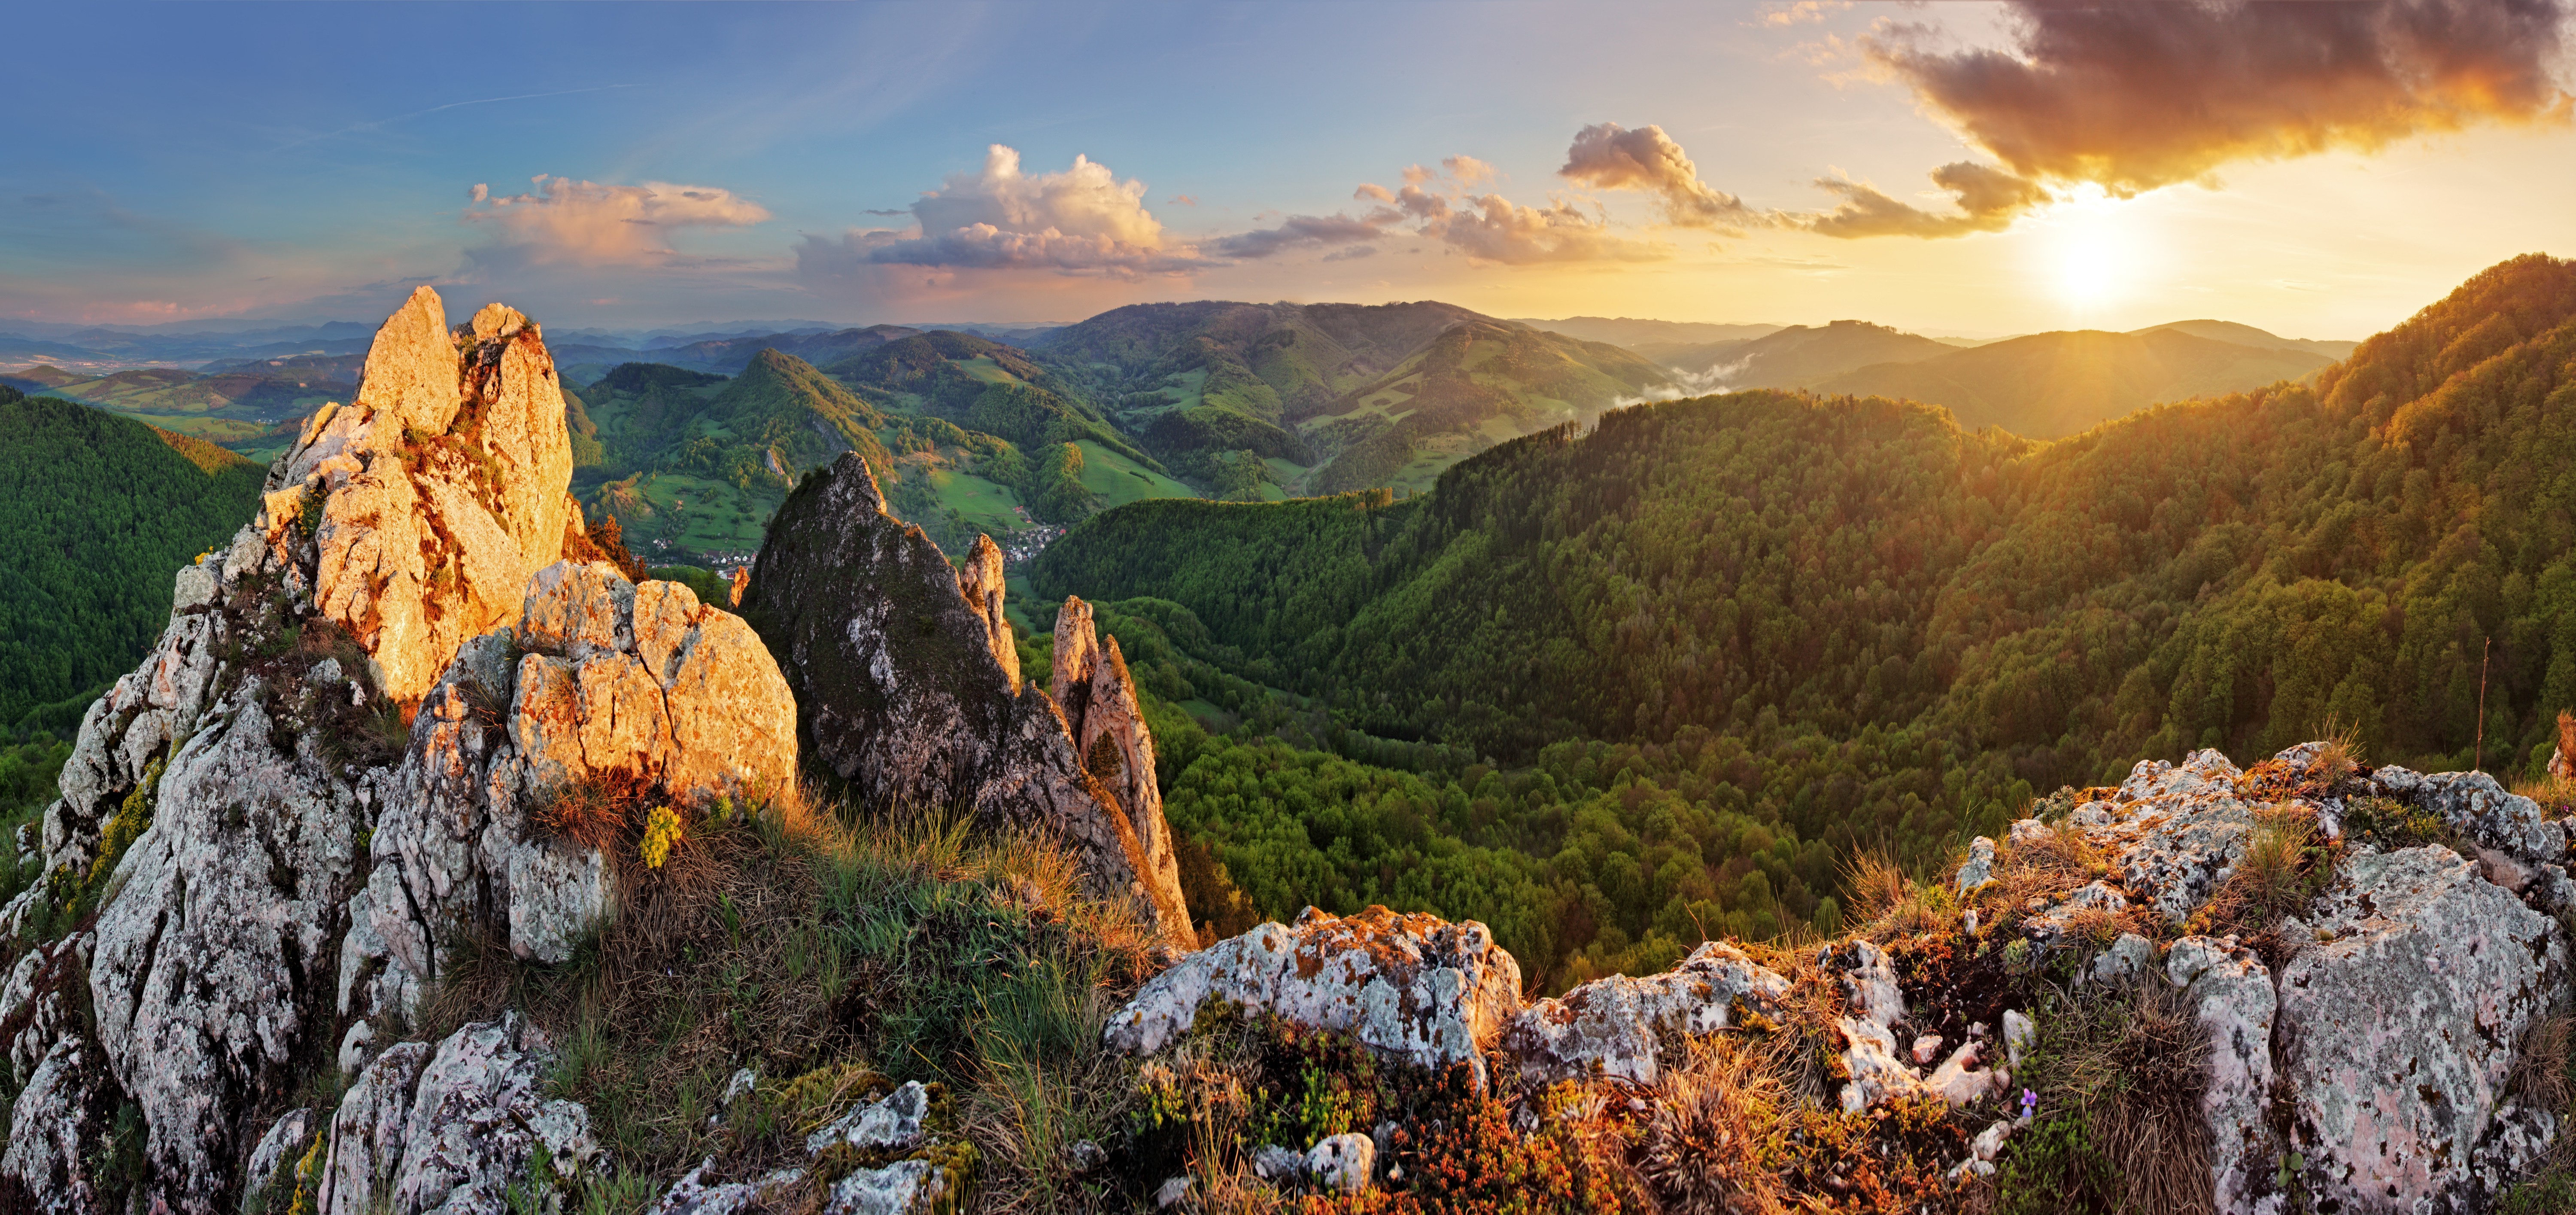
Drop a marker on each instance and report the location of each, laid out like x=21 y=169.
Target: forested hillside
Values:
x=1847 y=620
x=99 y=511
x=2049 y=385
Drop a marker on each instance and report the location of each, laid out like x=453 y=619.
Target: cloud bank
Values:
x=586 y=223
x=2136 y=96
x=1080 y=221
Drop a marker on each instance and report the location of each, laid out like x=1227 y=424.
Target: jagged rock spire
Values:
x=903 y=691
x=981 y=582
x=1101 y=709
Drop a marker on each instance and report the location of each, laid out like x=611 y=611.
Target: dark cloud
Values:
x=1297 y=231
x=1988 y=200
x=1606 y=156
x=2140 y=95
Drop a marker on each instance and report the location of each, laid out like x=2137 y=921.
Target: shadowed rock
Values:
x=903 y=694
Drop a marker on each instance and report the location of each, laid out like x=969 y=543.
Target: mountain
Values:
x=2048 y=385
x=1946 y=617
x=1800 y=354
x=1260 y=400
x=1636 y=334
x=96 y=510
x=2247 y=335
x=544 y=887
x=730 y=355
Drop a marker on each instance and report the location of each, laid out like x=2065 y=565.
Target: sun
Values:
x=2091 y=255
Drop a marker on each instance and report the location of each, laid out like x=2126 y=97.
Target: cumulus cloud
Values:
x=2136 y=96
x=1606 y=156
x=1083 y=220
x=1491 y=228
x=1781 y=16
x=562 y=220
x=1988 y=199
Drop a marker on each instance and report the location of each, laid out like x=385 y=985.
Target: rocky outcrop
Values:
x=1414 y=987
x=213 y=811
x=2232 y=999
x=451 y=1127
x=55 y=1127
x=902 y=691
x=1107 y=724
x=2401 y=1026
x=638 y=689
x=1619 y=1026
x=436 y=492
x=898 y=1124
x=981 y=581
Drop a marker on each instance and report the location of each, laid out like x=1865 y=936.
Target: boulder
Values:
x=2401 y=1026
x=902 y=691
x=2231 y=993
x=638 y=686
x=2177 y=832
x=896 y=1123
x=1980 y=866
x=452 y=1128
x=1342 y=1164
x=1414 y=987
x=2524 y=849
x=1618 y=1026
x=268 y=1175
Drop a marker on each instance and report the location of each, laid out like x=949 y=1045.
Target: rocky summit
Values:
x=433 y=861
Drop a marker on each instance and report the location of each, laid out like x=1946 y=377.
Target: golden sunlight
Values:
x=2092 y=254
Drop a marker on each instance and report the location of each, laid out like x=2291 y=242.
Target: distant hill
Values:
x=1803 y=354
x=2247 y=335
x=731 y=355
x=97 y=512
x=2049 y=385
x=1637 y=333
x=1265 y=400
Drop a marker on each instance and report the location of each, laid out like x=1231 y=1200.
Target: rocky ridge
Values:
x=2363 y=1046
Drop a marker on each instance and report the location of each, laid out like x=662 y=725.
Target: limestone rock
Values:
x=906 y=1187
x=211 y=956
x=57 y=1120
x=2401 y=1031
x=1342 y=1164
x=901 y=691
x=2231 y=991
x=2052 y=924
x=2527 y=849
x=2128 y=956
x=432 y=497
x=1980 y=867
x=451 y=1129
x=1616 y=1026
x=273 y=1161
x=1106 y=720
x=1413 y=987
x=619 y=682
x=894 y=1122
x=2179 y=831
x=981 y=582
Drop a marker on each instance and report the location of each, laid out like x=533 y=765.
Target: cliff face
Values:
x=252 y=855
x=908 y=689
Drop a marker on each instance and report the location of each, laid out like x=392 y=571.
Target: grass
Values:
x=985 y=504
x=2118 y=1124
x=1119 y=480
x=834 y=960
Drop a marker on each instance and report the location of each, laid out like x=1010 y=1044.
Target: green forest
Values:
x=1611 y=691
x=100 y=510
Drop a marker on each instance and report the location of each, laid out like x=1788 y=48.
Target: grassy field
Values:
x=986 y=504
x=690 y=513
x=985 y=369
x=1119 y=480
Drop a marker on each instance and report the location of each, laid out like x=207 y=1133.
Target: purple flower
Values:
x=2029 y=1103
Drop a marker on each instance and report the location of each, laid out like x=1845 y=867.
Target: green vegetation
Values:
x=99 y=511
x=1848 y=623
x=2049 y=385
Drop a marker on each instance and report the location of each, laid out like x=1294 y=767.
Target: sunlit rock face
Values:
x=216 y=810
x=626 y=687
x=903 y=691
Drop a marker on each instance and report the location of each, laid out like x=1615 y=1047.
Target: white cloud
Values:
x=588 y=223
x=1080 y=220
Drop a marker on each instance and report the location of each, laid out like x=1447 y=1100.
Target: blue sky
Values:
x=750 y=161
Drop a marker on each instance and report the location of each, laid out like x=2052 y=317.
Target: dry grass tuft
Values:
x=2284 y=866
x=2120 y=1082
x=1876 y=884
x=1712 y=1144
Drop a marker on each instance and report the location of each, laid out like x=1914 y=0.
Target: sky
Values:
x=2317 y=169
